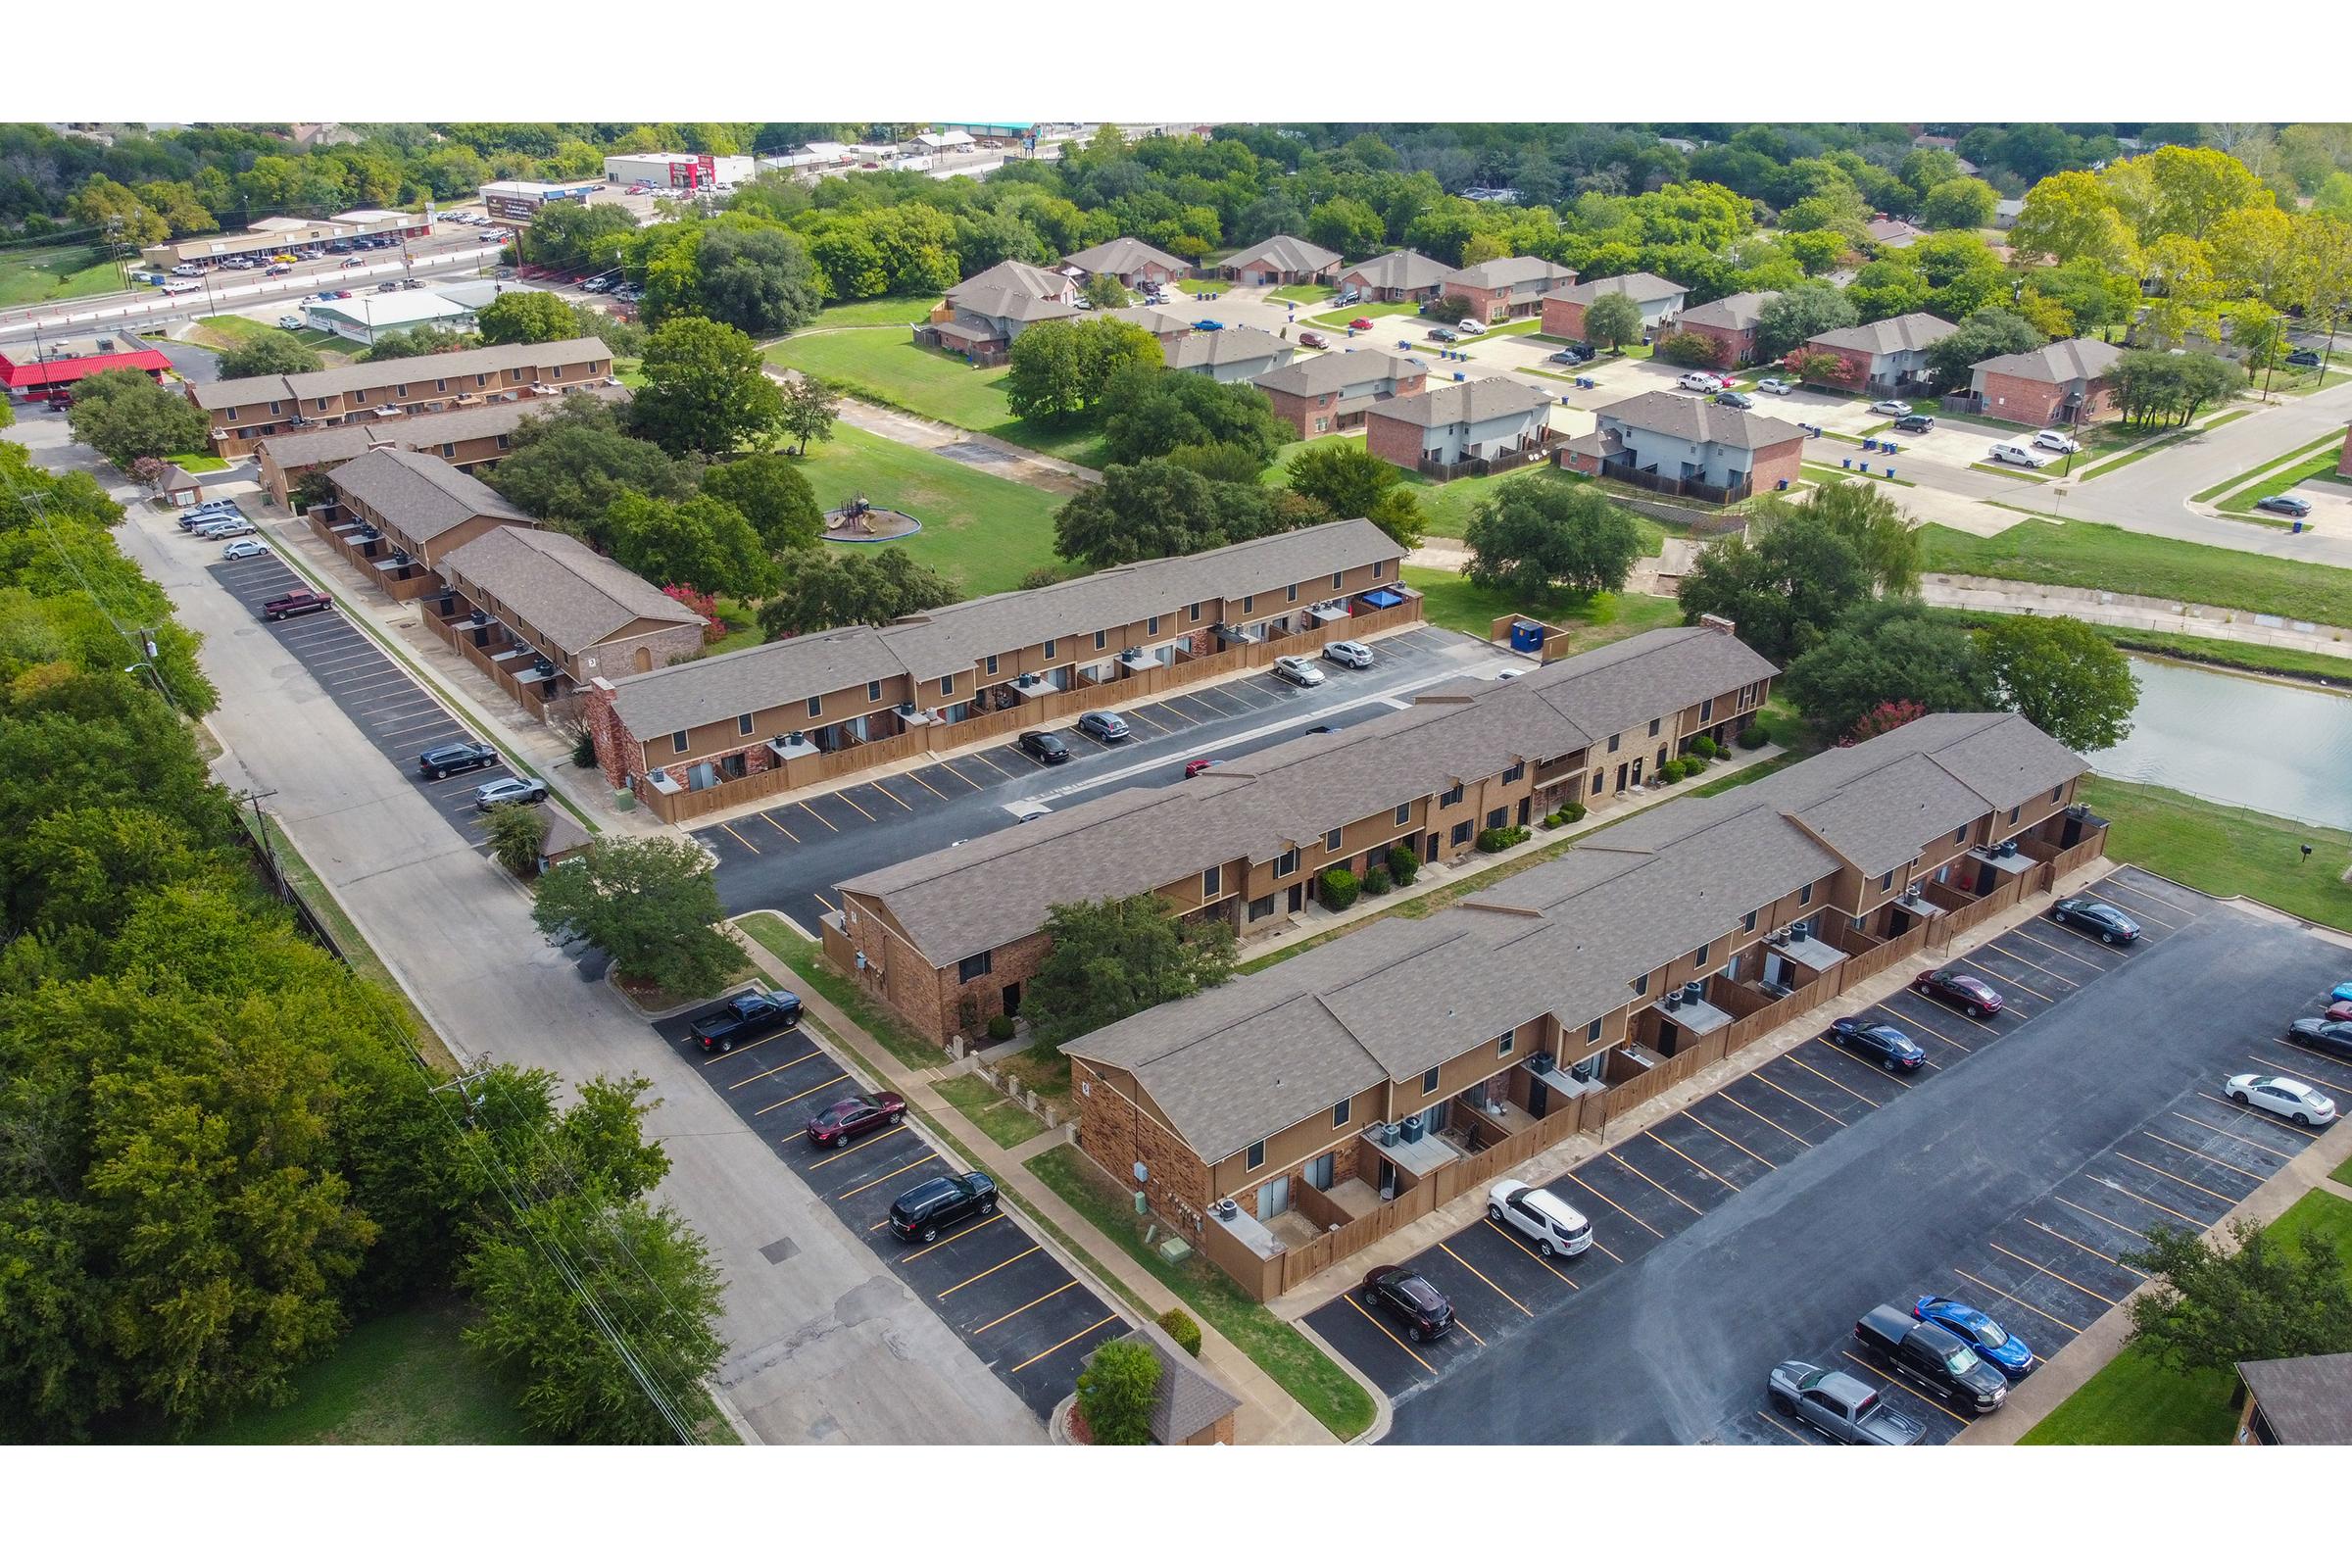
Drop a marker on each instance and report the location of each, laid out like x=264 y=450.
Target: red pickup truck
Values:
x=301 y=602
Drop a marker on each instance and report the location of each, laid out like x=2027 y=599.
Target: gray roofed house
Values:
x=1231 y=354
x=1473 y=403
x=1699 y=419
x=1643 y=288
x=2297 y=1399
x=1883 y=355
x=1490 y=419
x=1128 y=260
x=1341 y=371
x=1281 y=259
x=1736 y=313
x=1681 y=444
x=571 y=597
x=1506 y=272
x=423 y=504
x=1153 y=319
x=1894 y=233
x=1398 y=275
x=987 y=311
x=2058 y=383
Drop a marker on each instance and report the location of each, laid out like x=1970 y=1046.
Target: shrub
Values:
x=1116 y=1393
x=1694 y=350
x=1041 y=578
x=1001 y=1026
x=1450 y=310
x=1180 y=1327
x=967 y=1015
x=701 y=603
x=1493 y=838
x=1672 y=771
x=1403 y=864
x=1692 y=767
x=1337 y=887
x=1704 y=746
x=1377 y=881
x=517 y=833
x=1574 y=810
x=1752 y=737
x=583 y=745
x=1553 y=819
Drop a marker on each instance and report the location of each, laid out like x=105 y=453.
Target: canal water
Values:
x=2276 y=748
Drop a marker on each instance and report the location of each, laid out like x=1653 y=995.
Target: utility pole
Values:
x=253 y=797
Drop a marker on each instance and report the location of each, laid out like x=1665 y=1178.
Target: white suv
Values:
x=1470 y=327
x=2056 y=441
x=1544 y=1218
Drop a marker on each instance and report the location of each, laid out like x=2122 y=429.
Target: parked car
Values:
x=1409 y=1299
x=2322 y=1034
x=507 y=791
x=597 y=285
x=1353 y=655
x=1347 y=296
x=1362 y=324
x=1777 y=386
x=458 y=757
x=2005 y=1350
x=1916 y=424
x=2292 y=506
x=278 y=268
x=1470 y=327
x=2339 y=1013
x=1443 y=334
x=747 y=1020
x=1892 y=408
x=1544 y=1219
x=301 y=602
x=1734 y=400
x=1882 y=1042
x=209 y=511
x=289 y=323
x=1572 y=354
x=353 y=260
x=1049 y=748
x=187 y=269
x=2304 y=359
x=1313 y=340
x=388 y=286
x=1103 y=726
x=1208 y=325
x=223 y=528
x=1966 y=992
x=1298 y=671
x=243 y=550
x=1701 y=382
x=2342 y=992
x=2010 y=452
x=1933 y=1358
x=2105 y=921
x=834 y=1126
x=1199 y=765
x=1840 y=1406
x=2290 y=1098
x=923 y=1210
x=2056 y=441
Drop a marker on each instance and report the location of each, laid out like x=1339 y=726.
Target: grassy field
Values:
x=886 y=367
x=902 y=310
x=403 y=1378
x=229 y=331
x=2342 y=1174
x=2321 y=467
x=1449 y=505
x=2136 y=453
x=2226 y=851
x=2243 y=482
x=985 y=532
x=1197 y=286
x=1004 y=1121
x=44 y=272
x=197 y=461
x=1449 y=599
x=743 y=626
x=2095 y=555
x=1372 y=312
x=1288 y=1357
x=2133 y=1399
x=1302 y=293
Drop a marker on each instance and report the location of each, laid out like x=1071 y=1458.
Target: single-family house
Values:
x=1881 y=358
x=982 y=314
x=1283 y=258
x=1680 y=445
x=1132 y=262
x=1330 y=392
x=1660 y=298
x=1730 y=324
x=1892 y=233
x=2066 y=382
x=2006 y=212
x=1457 y=425
x=1233 y=354
x=1508 y=286
x=1169 y=329
x=1398 y=275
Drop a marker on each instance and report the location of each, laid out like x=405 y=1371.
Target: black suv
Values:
x=1916 y=424
x=1932 y=1357
x=923 y=1211
x=1411 y=1299
x=458 y=757
x=754 y=1016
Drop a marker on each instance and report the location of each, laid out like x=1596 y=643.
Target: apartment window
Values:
x=990 y=665
x=1151 y=627
x=743 y=723
x=973 y=968
x=1612 y=743
x=816 y=706
x=481 y=380
x=1804 y=895
x=1428 y=1082
x=401 y=390
x=2058 y=794
x=502 y=443
x=1192 y=613
x=1959 y=834
x=1331 y=841
x=273 y=408
x=449 y=449
x=1257 y=1154
x=677 y=740
x=1706 y=710
x=1380 y=570
x=1212 y=881
x=1497 y=816
x=514 y=374
x=2013 y=810
x=1453 y=797
x=1593 y=1032
x=1699 y=959
x=1102 y=639
x=1247 y=601
x=1653 y=725
x=1886 y=881
x=1339 y=1113
x=1514 y=774
x=1461 y=834
x=1260 y=908
x=1503 y=1045
x=1404 y=813
x=1599 y=779
x=1335 y=583
x=1285 y=863
x=1641 y=986
x=1049 y=648
x=873 y=691
x=441 y=385
x=1289 y=595
x=322 y=405
x=946 y=685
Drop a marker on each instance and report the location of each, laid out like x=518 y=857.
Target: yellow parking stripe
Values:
x=1516 y=1240
x=1955 y=1012
x=927 y=783
x=2019 y=984
x=1072 y=1339
x=2119 y=1186
x=2081 y=1247
x=1832 y=1082
x=846 y=1149
x=1489 y=1283
x=1661 y=1186
x=1929 y=1028
x=739 y=838
x=1879 y=1371
x=827 y=903
x=2136 y=1235
x=1026 y=1305
x=951 y=767
x=853 y=805
x=2198 y=1154
x=1987 y=1285
x=2133 y=908
x=1467 y=1329
x=1694 y=1164
x=2226 y=1133
x=1759 y=1076
x=2045 y=1268
x=812 y=811
x=779 y=827
x=947 y=1240
x=2178 y=908
x=887 y=1175
x=1618 y=1207
x=2283 y=1126
x=2183 y=1180
x=983 y=757
x=802 y=1095
x=1733 y=1142
x=2067 y=954
x=772 y=1071
x=2303 y=1073
x=1391 y=1333
x=986 y=1272
x=2019 y=957
x=1808 y=1442
x=886 y=795
x=1726 y=1096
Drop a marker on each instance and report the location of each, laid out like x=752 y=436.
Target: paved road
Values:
x=792 y=856
x=1758 y=1224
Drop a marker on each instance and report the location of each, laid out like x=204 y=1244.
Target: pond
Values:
x=2276 y=748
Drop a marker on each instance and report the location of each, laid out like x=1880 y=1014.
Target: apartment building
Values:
x=421 y=507
x=1398 y=275
x=1879 y=359
x=1459 y=427
x=1730 y=324
x=466 y=438
x=1229 y=354
x=246 y=410
x=1374 y=1072
x=1283 y=258
x=1508 y=286
x=1133 y=262
x=1683 y=445
x=949 y=939
x=1661 y=299
x=807 y=707
x=1335 y=391
x=982 y=314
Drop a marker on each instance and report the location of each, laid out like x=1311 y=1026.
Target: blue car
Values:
x=1987 y=1337
x=1207 y=326
x=1883 y=1042
x=2342 y=993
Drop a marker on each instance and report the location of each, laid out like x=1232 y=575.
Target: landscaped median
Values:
x=2098 y=555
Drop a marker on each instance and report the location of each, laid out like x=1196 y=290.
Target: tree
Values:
x=1141 y=512
x=2258 y=334
x=271 y=351
x=2074 y=684
x=1349 y=226
x=1117 y=1393
x=2211 y=1305
x=1959 y=202
x=1115 y=957
x=127 y=416
x=1986 y=334
x=567 y=466
x=768 y=490
x=758 y=278
x=572 y=237
x=415 y=343
x=1151 y=411
x=1348 y=479
x=810 y=408
x=1867 y=516
x=1542 y=537
x=527 y=316
x=701 y=540
x=1105 y=292
x=650 y=904
x=2069 y=217
x=516 y=832
x=1785 y=591
x=1801 y=314
x=706 y=389
x=1885 y=652
x=1691 y=349
x=1058 y=369
x=1612 y=321
x=824 y=589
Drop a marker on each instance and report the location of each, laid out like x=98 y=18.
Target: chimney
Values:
x=1719 y=623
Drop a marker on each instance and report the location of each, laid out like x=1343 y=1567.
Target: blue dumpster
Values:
x=1458 y=375
x=1845 y=462
x=1527 y=637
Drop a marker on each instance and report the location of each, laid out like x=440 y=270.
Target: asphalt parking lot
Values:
x=399 y=717
x=991 y=1282
x=1757 y=1224
x=791 y=856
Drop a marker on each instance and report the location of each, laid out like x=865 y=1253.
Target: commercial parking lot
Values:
x=994 y=1285
x=791 y=856
x=1758 y=1223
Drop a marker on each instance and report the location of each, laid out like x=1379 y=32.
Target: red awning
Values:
x=57 y=372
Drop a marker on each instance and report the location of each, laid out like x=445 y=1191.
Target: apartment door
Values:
x=1523 y=810
x=1637 y=770
x=1621 y=778
x=1012 y=1000
x=1539 y=1097
x=1667 y=1036
x=1298 y=897
x=1274 y=1197
x=1318 y=1173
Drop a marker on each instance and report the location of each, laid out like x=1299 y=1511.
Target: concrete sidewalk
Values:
x=2137 y=611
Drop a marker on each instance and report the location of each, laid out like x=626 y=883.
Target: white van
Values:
x=2022 y=457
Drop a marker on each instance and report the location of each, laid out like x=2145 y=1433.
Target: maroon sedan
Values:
x=834 y=1126
x=1953 y=989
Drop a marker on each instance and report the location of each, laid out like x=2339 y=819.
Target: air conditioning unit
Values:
x=1800 y=930
x=795 y=738
x=1131 y=652
x=2008 y=847
x=1691 y=991
x=1914 y=890
x=1673 y=1001
x=1225 y=1208
x=1386 y=1132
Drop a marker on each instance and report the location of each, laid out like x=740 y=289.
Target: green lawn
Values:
x=2260 y=658
x=229 y=331
x=890 y=368
x=1524 y=327
x=1289 y=1357
x=2133 y=1400
x=1371 y=311
x=197 y=461
x=2225 y=851
x=806 y=960
x=2342 y=1174
x=1449 y=505
x=54 y=272
x=2137 y=453
x=2322 y=467
x=2246 y=480
x=985 y=532
x=902 y=310
x=1449 y=599
x=1202 y=285
x=1302 y=293
x=743 y=626
x=403 y=1378
x=2095 y=554
x=1003 y=1120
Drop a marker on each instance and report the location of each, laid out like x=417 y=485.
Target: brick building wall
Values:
x=1564 y=318
x=1300 y=414
x=1115 y=1133
x=2021 y=401
x=615 y=751
x=663 y=648
x=1774 y=464
x=1733 y=347
x=1394 y=440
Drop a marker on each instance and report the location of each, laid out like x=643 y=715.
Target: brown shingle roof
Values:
x=1696 y=419
x=1734 y=313
x=1466 y=403
x=421 y=368
x=1914 y=331
x=422 y=496
x=1400 y=270
x=1283 y=253
x=335 y=443
x=561 y=587
x=2073 y=359
x=1125 y=254
x=1644 y=287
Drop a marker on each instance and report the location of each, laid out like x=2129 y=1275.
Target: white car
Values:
x=1702 y=381
x=1544 y=1218
x=503 y=791
x=2056 y=441
x=2290 y=1098
x=1892 y=408
x=1355 y=654
x=223 y=528
x=243 y=550
x=2022 y=457
x=1470 y=327
x=1298 y=671
x=1777 y=386
x=291 y=323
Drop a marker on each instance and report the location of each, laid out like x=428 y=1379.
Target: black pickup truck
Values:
x=744 y=1019
x=1932 y=1357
